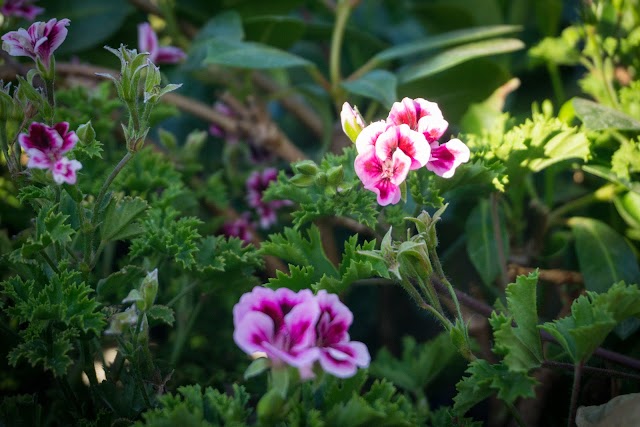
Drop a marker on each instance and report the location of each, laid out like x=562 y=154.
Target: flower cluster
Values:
x=148 y=42
x=406 y=140
x=21 y=8
x=299 y=329
x=38 y=42
x=45 y=147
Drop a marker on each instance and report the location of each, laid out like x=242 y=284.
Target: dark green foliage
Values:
x=53 y=313
x=319 y=197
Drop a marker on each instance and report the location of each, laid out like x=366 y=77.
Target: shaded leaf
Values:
x=234 y=53
x=379 y=85
x=119 y=218
x=598 y=117
x=603 y=255
x=457 y=55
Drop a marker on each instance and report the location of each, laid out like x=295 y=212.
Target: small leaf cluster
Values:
x=328 y=189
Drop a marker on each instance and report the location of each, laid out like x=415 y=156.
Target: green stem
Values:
x=495 y=222
x=342 y=16
x=515 y=414
x=69 y=395
x=182 y=293
x=5 y=146
x=575 y=390
x=371 y=64
x=51 y=97
x=603 y=194
x=184 y=332
x=556 y=82
x=49 y=261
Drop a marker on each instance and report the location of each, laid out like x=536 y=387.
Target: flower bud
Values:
x=149 y=289
x=352 y=121
x=306 y=167
x=86 y=134
x=335 y=175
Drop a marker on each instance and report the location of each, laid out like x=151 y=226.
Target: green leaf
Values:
x=161 y=314
x=234 y=53
x=485 y=379
x=298 y=278
x=457 y=55
x=257 y=367
x=482 y=247
x=119 y=219
x=603 y=255
x=226 y=25
x=598 y=117
x=292 y=247
x=584 y=330
x=419 y=364
x=565 y=145
x=114 y=287
x=520 y=345
x=444 y=40
x=92 y=21
x=379 y=85
x=628 y=206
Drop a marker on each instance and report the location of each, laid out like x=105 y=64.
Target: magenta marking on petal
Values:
x=368 y=167
x=447 y=157
x=341 y=368
x=253 y=332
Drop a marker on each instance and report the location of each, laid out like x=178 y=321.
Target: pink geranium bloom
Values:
x=45 y=147
x=383 y=176
x=445 y=158
x=338 y=355
x=20 y=8
x=410 y=111
x=148 y=42
x=240 y=227
x=386 y=139
x=256 y=184
x=38 y=42
x=280 y=323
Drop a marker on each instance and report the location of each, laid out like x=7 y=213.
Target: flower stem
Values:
x=184 y=332
x=49 y=261
x=342 y=16
x=515 y=414
x=603 y=194
x=575 y=390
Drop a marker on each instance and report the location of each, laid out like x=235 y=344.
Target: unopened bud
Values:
x=352 y=121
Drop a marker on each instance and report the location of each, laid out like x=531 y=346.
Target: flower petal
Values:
x=343 y=359
x=38 y=159
x=169 y=55
x=432 y=127
x=410 y=111
x=410 y=142
x=64 y=170
x=367 y=138
x=368 y=167
x=447 y=157
x=148 y=40
x=254 y=330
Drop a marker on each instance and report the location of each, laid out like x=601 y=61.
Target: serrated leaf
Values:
x=584 y=330
x=485 y=379
x=379 y=85
x=520 y=345
x=162 y=314
x=599 y=117
x=482 y=247
x=119 y=219
x=419 y=365
x=565 y=145
x=298 y=278
x=457 y=55
x=235 y=53
x=114 y=287
x=444 y=40
x=603 y=255
x=292 y=247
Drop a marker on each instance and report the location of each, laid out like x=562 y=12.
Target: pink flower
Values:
x=240 y=228
x=45 y=146
x=38 y=42
x=257 y=183
x=280 y=323
x=148 y=42
x=426 y=118
x=386 y=153
x=383 y=177
x=338 y=355
x=445 y=158
x=21 y=8
x=410 y=111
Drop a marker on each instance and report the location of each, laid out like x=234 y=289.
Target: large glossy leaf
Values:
x=92 y=21
x=234 y=53
x=458 y=55
x=597 y=116
x=603 y=255
x=444 y=40
x=378 y=84
x=482 y=247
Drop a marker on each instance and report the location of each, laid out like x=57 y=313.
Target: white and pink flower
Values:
x=21 y=8
x=339 y=355
x=45 y=147
x=383 y=177
x=280 y=323
x=148 y=42
x=298 y=329
x=38 y=42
